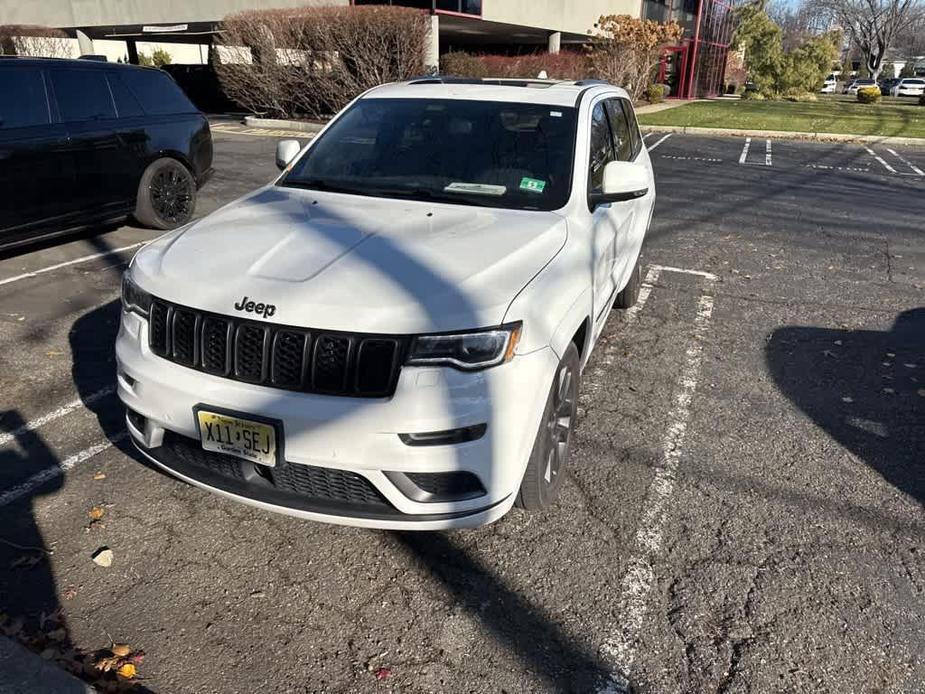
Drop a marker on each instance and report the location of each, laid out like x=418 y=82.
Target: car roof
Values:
x=527 y=91
x=67 y=62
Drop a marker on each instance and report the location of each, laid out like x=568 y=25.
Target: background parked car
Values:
x=830 y=86
x=85 y=142
x=908 y=86
x=853 y=87
x=886 y=85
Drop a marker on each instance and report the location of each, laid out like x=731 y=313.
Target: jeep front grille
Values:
x=304 y=360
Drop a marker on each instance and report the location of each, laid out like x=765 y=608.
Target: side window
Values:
x=601 y=148
x=635 y=137
x=621 y=131
x=24 y=102
x=157 y=92
x=82 y=95
x=126 y=103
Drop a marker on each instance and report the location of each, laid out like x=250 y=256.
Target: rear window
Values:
x=914 y=82
x=157 y=92
x=24 y=102
x=82 y=95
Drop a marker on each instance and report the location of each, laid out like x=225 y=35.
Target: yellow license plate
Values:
x=243 y=438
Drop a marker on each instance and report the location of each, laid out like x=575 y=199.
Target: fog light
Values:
x=444 y=438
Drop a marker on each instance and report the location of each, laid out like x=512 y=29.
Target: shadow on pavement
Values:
x=543 y=645
x=866 y=388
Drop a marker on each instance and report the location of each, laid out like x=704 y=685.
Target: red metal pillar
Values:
x=692 y=83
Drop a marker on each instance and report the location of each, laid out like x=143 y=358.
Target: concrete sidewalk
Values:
x=24 y=671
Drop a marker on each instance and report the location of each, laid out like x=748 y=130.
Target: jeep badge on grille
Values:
x=265 y=310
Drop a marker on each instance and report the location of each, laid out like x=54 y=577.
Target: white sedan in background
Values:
x=909 y=86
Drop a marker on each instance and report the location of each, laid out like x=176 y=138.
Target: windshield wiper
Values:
x=320 y=184
x=423 y=194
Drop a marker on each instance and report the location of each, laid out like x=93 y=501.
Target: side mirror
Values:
x=286 y=151
x=623 y=180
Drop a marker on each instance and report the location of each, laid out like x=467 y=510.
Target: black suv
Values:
x=85 y=142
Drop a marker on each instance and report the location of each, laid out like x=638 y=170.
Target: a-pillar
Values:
x=555 y=41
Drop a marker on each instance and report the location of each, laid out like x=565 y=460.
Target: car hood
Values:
x=343 y=262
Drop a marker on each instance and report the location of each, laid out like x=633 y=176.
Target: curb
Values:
x=279 y=124
x=24 y=671
x=785 y=135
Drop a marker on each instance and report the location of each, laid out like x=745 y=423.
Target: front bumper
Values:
x=331 y=441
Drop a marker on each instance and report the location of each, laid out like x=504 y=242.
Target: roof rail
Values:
x=496 y=81
x=591 y=83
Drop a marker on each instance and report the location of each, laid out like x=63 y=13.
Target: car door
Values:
x=605 y=218
x=628 y=147
x=36 y=176
x=86 y=108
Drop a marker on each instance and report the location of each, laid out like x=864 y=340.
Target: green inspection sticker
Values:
x=534 y=185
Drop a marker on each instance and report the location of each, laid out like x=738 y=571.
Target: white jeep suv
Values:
x=391 y=334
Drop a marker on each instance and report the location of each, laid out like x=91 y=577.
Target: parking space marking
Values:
x=620 y=647
x=675 y=157
x=767 y=155
x=76 y=261
x=56 y=414
x=878 y=158
x=826 y=167
x=905 y=161
x=646 y=136
x=659 y=142
x=744 y=155
x=647 y=283
x=49 y=473
x=260 y=132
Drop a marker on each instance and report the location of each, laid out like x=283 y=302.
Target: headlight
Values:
x=469 y=351
x=134 y=299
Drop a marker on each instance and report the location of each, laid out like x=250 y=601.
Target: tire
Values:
x=166 y=195
x=545 y=472
x=630 y=293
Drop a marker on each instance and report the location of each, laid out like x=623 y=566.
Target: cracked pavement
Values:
x=791 y=553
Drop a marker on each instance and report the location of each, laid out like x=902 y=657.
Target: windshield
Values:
x=485 y=153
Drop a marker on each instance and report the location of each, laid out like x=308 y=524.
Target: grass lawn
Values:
x=831 y=114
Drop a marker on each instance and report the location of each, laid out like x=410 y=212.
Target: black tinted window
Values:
x=601 y=148
x=157 y=92
x=486 y=153
x=126 y=103
x=620 y=129
x=635 y=137
x=82 y=95
x=23 y=100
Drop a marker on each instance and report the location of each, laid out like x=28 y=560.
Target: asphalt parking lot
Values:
x=744 y=511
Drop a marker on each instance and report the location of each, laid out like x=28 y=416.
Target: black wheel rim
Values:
x=171 y=195
x=559 y=423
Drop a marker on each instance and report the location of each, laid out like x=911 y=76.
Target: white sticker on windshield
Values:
x=555 y=114
x=477 y=188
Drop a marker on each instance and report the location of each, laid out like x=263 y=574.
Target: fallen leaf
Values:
x=96 y=512
x=383 y=673
x=107 y=663
x=69 y=593
x=137 y=657
x=121 y=649
x=126 y=670
x=99 y=476
x=103 y=557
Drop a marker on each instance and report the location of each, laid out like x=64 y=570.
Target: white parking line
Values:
x=650 y=279
x=748 y=143
x=659 y=142
x=905 y=161
x=49 y=473
x=647 y=136
x=877 y=157
x=84 y=259
x=767 y=155
x=620 y=647
x=56 y=414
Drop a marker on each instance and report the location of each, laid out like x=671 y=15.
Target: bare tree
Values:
x=43 y=42
x=872 y=25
